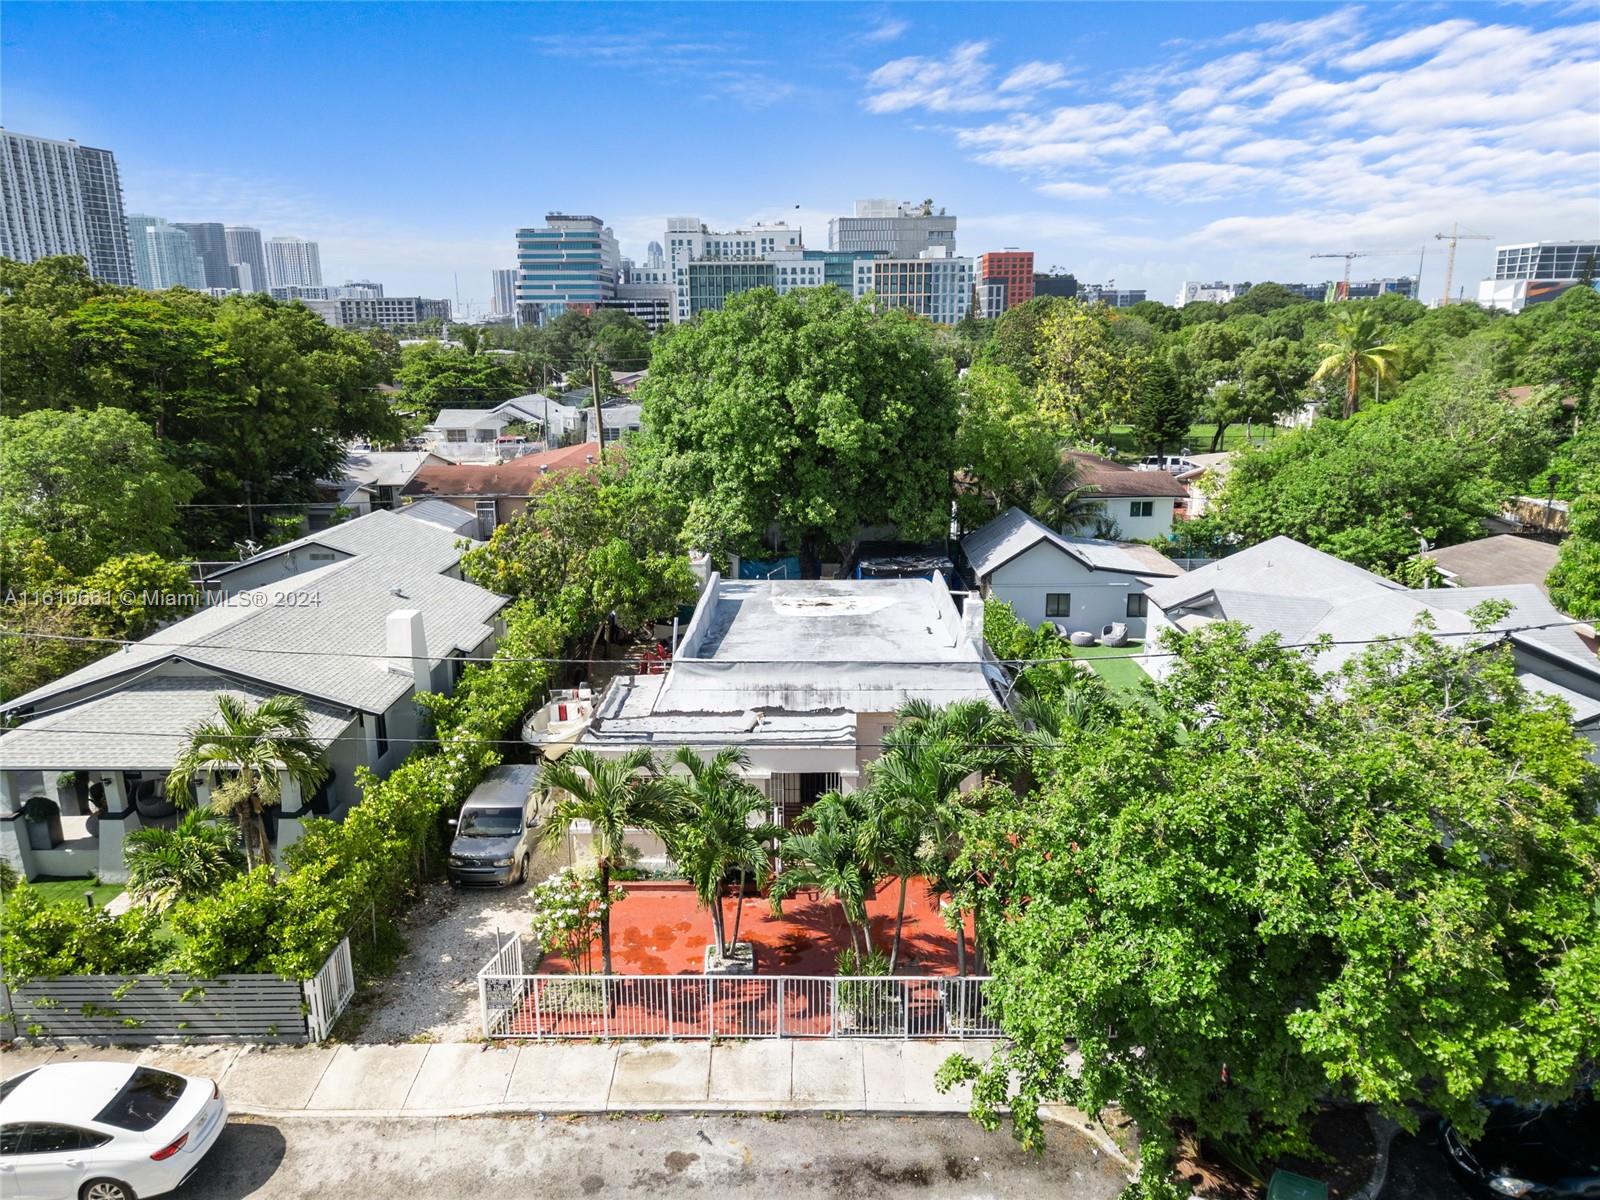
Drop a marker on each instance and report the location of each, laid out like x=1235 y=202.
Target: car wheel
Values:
x=105 y=1189
x=522 y=870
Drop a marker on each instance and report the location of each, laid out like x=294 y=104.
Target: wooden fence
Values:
x=148 y=1009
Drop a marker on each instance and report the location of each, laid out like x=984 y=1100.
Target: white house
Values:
x=1136 y=504
x=804 y=676
x=357 y=638
x=1285 y=587
x=1079 y=583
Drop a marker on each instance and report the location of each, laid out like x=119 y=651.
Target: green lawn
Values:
x=1199 y=441
x=1122 y=674
x=70 y=891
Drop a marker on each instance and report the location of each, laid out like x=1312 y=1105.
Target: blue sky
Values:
x=1146 y=143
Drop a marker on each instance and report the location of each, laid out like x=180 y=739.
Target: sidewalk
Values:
x=463 y=1078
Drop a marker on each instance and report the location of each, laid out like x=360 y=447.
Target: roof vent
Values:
x=394 y=591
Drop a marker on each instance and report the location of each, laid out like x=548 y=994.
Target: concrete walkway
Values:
x=462 y=1078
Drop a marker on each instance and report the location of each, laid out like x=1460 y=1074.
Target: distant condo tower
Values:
x=293 y=262
x=63 y=198
x=246 y=258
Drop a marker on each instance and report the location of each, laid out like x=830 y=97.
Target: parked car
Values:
x=104 y=1131
x=1532 y=1152
x=1176 y=464
x=497 y=831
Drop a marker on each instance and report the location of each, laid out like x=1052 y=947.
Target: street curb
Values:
x=708 y=1108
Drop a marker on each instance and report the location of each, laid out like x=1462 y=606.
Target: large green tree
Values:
x=1270 y=892
x=1162 y=409
x=89 y=484
x=1008 y=450
x=1574 y=581
x=1087 y=375
x=437 y=376
x=807 y=412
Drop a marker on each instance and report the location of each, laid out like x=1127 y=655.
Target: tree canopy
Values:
x=1267 y=891
x=806 y=412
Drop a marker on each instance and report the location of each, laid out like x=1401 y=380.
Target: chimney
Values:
x=407 y=648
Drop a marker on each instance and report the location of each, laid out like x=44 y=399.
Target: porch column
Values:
x=14 y=845
x=292 y=811
x=119 y=820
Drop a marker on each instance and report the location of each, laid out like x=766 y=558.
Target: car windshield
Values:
x=490 y=822
x=144 y=1100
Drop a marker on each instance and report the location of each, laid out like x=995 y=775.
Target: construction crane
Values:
x=1455 y=235
x=1343 y=292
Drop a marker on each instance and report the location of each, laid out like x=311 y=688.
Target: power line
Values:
x=749 y=662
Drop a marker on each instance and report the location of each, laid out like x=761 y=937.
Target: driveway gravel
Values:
x=433 y=993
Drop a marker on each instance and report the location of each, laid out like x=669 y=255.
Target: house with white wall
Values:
x=1077 y=583
x=1135 y=505
x=803 y=676
x=357 y=639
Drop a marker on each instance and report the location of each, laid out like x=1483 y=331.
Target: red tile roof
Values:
x=518 y=477
x=1106 y=478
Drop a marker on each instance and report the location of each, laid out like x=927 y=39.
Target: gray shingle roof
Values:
x=384 y=468
x=1015 y=532
x=321 y=633
x=443 y=514
x=382 y=534
x=1497 y=561
x=139 y=727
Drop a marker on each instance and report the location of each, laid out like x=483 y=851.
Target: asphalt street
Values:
x=880 y=1158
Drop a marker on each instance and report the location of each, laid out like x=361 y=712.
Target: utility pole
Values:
x=599 y=421
x=1455 y=235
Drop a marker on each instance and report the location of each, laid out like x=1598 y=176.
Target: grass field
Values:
x=1121 y=673
x=1199 y=441
x=70 y=891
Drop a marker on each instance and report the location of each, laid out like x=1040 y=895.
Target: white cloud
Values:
x=1068 y=190
x=962 y=81
x=1406 y=45
x=886 y=30
x=1033 y=75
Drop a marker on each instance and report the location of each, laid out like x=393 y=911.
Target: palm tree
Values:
x=723 y=828
x=246 y=755
x=193 y=859
x=916 y=786
x=1356 y=347
x=613 y=795
x=825 y=858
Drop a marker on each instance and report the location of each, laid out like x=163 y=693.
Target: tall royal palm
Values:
x=723 y=828
x=246 y=754
x=613 y=795
x=1356 y=348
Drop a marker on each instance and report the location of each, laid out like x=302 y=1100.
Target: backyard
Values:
x=1117 y=667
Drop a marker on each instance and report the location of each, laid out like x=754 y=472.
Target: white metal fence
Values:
x=328 y=991
x=515 y=1005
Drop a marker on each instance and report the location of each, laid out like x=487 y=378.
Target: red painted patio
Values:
x=660 y=929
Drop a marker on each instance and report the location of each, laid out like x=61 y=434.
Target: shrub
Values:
x=40 y=939
x=566 y=915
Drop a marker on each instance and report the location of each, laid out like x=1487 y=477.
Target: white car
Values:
x=103 y=1131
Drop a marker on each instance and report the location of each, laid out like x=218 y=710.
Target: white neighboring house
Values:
x=472 y=434
x=1137 y=504
x=804 y=676
x=1078 y=583
x=357 y=640
x=1286 y=587
x=383 y=474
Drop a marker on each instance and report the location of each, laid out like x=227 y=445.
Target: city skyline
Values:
x=1151 y=147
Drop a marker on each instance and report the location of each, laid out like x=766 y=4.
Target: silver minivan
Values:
x=497 y=832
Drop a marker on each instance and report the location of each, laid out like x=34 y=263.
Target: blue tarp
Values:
x=776 y=568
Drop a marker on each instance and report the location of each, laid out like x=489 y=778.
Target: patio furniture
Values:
x=1114 y=634
x=1083 y=638
x=151 y=803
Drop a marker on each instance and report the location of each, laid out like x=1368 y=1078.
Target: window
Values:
x=144 y=1100
x=381 y=725
x=487 y=517
x=455 y=435
x=1143 y=508
x=1058 y=604
x=1138 y=606
x=60 y=1139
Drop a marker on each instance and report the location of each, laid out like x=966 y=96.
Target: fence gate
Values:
x=328 y=991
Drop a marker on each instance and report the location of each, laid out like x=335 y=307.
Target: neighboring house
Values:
x=441 y=513
x=1496 y=561
x=566 y=421
x=1204 y=481
x=466 y=433
x=627 y=382
x=1285 y=587
x=619 y=420
x=418 y=539
x=495 y=492
x=1075 y=582
x=357 y=640
x=1139 y=504
x=383 y=474
x=803 y=676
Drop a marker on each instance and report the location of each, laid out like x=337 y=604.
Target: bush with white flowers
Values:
x=566 y=915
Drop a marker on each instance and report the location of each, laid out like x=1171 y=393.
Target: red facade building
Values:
x=1014 y=268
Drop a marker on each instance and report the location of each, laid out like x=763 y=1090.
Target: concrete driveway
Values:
x=881 y=1158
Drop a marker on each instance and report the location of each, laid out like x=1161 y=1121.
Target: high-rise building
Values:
x=211 y=244
x=897 y=230
x=1538 y=272
x=503 y=296
x=359 y=289
x=690 y=241
x=935 y=284
x=345 y=312
x=293 y=262
x=163 y=255
x=572 y=262
x=247 y=258
x=655 y=256
x=1013 y=269
x=1065 y=286
x=63 y=198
